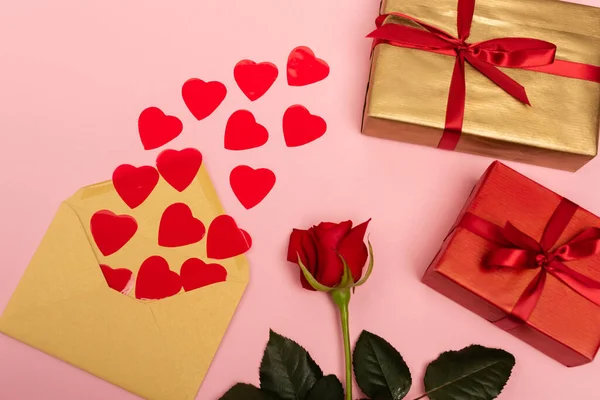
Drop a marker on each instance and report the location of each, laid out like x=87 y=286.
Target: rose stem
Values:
x=341 y=298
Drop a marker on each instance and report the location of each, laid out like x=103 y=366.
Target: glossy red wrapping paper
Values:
x=564 y=324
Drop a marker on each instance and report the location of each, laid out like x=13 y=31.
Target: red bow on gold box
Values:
x=516 y=79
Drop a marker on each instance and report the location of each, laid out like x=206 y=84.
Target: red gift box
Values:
x=528 y=260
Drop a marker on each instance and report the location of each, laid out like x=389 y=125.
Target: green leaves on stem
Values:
x=380 y=370
x=474 y=373
x=341 y=297
x=288 y=372
x=246 y=392
x=327 y=388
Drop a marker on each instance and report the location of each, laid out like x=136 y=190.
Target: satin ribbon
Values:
x=517 y=250
x=486 y=56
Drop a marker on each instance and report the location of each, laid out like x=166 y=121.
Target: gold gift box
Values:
x=408 y=88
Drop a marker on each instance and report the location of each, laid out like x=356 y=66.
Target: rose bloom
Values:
x=321 y=246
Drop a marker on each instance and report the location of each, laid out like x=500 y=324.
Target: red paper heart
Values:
x=203 y=98
x=120 y=279
x=255 y=79
x=155 y=280
x=303 y=68
x=134 y=185
x=301 y=127
x=247 y=237
x=195 y=274
x=179 y=168
x=225 y=239
x=250 y=185
x=157 y=129
x=178 y=227
x=110 y=231
x=243 y=132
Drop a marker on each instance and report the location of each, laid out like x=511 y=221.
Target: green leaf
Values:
x=327 y=388
x=473 y=373
x=380 y=370
x=287 y=370
x=243 y=391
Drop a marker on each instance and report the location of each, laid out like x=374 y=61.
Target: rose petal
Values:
x=330 y=234
x=309 y=258
x=295 y=245
x=302 y=243
x=327 y=237
x=354 y=250
x=310 y=251
x=327 y=225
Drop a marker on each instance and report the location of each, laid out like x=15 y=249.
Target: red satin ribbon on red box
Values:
x=524 y=53
x=519 y=251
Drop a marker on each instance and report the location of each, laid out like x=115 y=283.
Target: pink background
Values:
x=74 y=77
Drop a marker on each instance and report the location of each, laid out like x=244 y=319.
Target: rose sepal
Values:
x=369 y=268
x=311 y=279
x=347 y=281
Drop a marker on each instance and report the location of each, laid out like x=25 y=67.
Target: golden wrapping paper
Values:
x=408 y=88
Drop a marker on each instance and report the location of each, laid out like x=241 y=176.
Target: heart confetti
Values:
x=157 y=129
x=250 y=185
x=301 y=127
x=247 y=237
x=155 y=280
x=110 y=231
x=303 y=68
x=179 y=168
x=195 y=274
x=120 y=279
x=203 y=98
x=134 y=185
x=225 y=239
x=255 y=79
x=178 y=227
x=243 y=132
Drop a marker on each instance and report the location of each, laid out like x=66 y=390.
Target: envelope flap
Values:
x=64 y=265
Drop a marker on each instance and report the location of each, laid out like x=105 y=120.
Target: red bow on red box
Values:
x=519 y=251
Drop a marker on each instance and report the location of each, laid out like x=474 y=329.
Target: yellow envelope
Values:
x=156 y=349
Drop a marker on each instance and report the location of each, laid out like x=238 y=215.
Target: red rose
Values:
x=321 y=246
